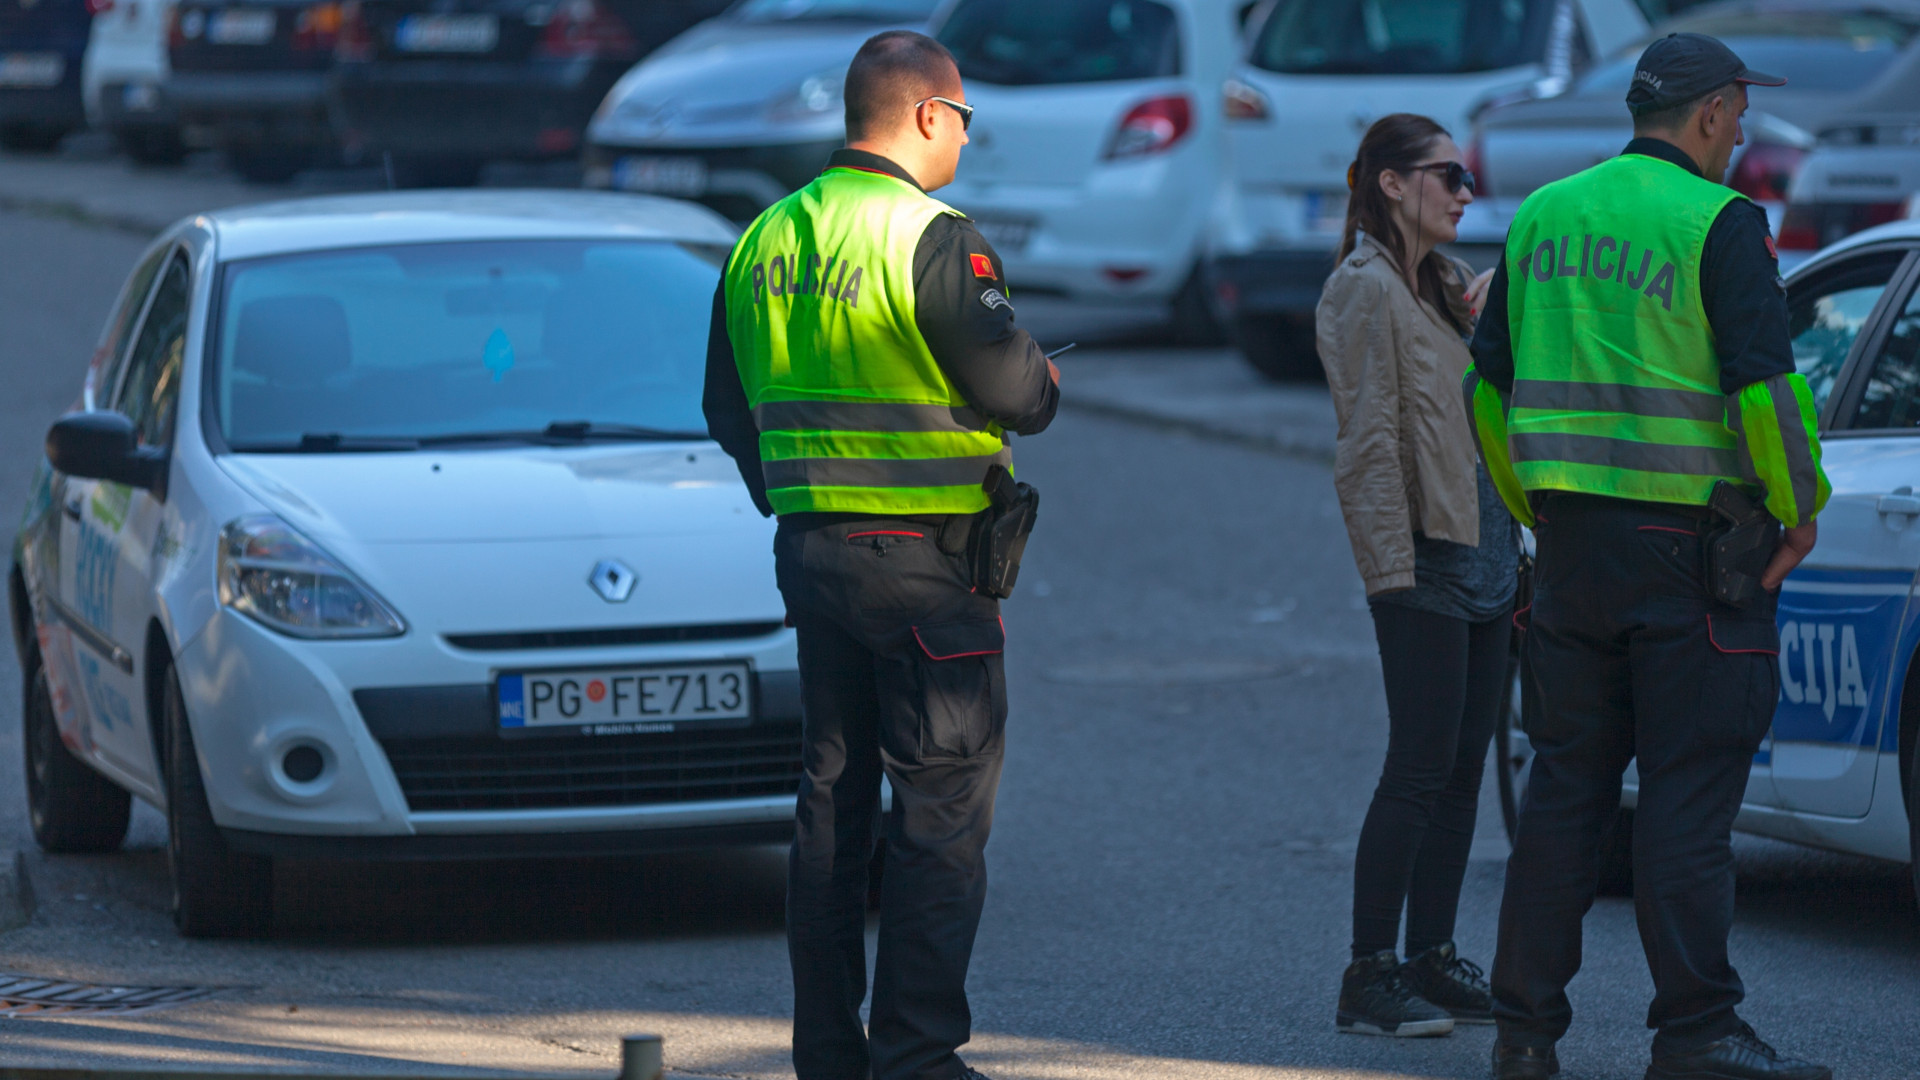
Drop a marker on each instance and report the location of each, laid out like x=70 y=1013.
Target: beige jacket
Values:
x=1405 y=458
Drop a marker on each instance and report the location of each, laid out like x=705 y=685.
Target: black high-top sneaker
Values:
x=1376 y=1000
x=1456 y=985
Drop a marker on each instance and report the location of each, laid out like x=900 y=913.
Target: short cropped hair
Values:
x=1675 y=117
x=891 y=72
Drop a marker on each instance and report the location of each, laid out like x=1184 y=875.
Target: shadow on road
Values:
x=1837 y=899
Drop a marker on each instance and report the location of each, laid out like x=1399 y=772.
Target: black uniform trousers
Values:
x=1630 y=658
x=901 y=671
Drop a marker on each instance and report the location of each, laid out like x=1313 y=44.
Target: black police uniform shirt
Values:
x=1740 y=287
x=965 y=317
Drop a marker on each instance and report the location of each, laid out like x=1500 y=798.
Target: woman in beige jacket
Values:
x=1437 y=552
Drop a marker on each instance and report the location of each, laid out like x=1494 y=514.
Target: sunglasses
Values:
x=1457 y=175
x=965 y=111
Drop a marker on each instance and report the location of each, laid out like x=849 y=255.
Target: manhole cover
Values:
x=27 y=995
x=1170 y=673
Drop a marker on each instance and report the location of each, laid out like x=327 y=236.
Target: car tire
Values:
x=216 y=892
x=1616 y=856
x=1913 y=823
x=73 y=809
x=1195 y=322
x=152 y=146
x=1279 y=347
x=28 y=138
x=266 y=163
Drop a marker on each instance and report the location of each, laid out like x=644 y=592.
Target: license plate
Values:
x=447 y=33
x=32 y=69
x=1326 y=212
x=685 y=177
x=624 y=701
x=240 y=26
x=1007 y=235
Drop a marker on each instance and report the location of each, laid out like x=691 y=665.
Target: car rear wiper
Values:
x=330 y=443
x=561 y=432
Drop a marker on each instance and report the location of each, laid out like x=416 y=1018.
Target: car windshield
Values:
x=391 y=348
x=1023 y=43
x=1816 y=51
x=1401 y=37
x=879 y=11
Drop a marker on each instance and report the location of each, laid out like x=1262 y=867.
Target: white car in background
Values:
x=1098 y=159
x=1315 y=75
x=387 y=526
x=123 y=80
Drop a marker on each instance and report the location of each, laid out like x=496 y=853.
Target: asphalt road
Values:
x=1197 y=723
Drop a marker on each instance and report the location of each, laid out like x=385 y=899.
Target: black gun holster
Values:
x=1739 y=546
x=999 y=536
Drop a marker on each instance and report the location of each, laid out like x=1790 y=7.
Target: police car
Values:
x=1839 y=768
x=387 y=526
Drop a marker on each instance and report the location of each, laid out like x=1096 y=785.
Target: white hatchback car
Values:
x=123 y=80
x=388 y=527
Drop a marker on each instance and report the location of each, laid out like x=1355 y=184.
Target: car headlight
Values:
x=817 y=95
x=281 y=579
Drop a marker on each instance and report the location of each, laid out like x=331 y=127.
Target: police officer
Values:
x=1634 y=355
x=863 y=370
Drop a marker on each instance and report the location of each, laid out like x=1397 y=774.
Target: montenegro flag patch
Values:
x=983 y=267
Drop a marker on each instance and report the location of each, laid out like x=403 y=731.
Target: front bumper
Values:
x=59 y=105
x=281 y=107
x=739 y=181
x=420 y=771
x=529 y=111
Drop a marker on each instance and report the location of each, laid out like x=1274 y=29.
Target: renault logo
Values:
x=613 y=580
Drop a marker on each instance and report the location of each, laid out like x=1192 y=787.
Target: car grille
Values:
x=491 y=773
x=618 y=635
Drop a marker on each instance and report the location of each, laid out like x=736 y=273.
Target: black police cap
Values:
x=1680 y=68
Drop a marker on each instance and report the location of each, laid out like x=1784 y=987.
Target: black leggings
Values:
x=1446 y=679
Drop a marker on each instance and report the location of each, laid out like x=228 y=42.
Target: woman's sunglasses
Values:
x=1457 y=175
x=965 y=111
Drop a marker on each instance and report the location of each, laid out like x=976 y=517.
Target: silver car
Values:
x=742 y=109
x=1833 y=52
x=1865 y=171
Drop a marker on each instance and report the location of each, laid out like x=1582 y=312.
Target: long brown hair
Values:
x=1396 y=142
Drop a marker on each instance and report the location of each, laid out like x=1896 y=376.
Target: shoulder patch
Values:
x=983 y=267
x=993 y=299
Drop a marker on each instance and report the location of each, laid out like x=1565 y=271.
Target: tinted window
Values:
x=1402 y=37
x=1892 y=395
x=1826 y=315
x=416 y=341
x=901 y=11
x=1027 y=43
x=152 y=385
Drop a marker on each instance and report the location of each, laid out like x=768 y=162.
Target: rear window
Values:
x=1401 y=37
x=1817 y=51
x=877 y=11
x=1030 y=42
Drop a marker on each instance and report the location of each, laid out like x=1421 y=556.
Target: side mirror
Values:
x=102 y=446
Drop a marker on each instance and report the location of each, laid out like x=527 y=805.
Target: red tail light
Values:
x=354 y=42
x=98 y=8
x=1812 y=226
x=585 y=28
x=1245 y=101
x=1766 y=171
x=317 y=28
x=175 y=38
x=1477 y=165
x=1152 y=127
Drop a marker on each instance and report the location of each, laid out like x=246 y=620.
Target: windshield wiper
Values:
x=561 y=432
x=330 y=443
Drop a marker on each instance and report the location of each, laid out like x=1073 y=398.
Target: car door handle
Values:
x=1900 y=504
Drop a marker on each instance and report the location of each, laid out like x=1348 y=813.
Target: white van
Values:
x=1314 y=75
x=123 y=80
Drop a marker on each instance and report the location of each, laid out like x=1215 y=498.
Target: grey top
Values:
x=1471 y=583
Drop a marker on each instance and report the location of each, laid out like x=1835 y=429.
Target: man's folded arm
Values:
x=962 y=310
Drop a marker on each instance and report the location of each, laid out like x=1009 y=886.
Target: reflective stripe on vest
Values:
x=854 y=413
x=1617 y=386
